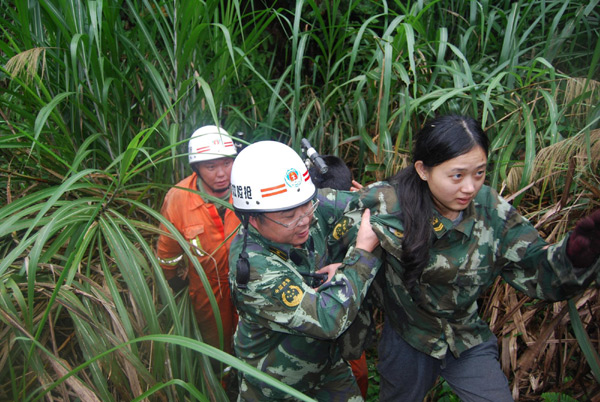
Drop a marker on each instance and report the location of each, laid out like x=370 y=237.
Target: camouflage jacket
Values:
x=286 y=327
x=492 y=240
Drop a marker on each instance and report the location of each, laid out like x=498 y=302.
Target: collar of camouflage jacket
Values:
x=442 y=225
x=390 y=228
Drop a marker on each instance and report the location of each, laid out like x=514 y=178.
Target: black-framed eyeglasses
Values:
x=296 y=222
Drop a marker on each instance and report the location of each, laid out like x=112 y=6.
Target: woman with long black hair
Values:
x=448 y=236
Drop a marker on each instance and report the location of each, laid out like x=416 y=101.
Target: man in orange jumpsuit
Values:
x=207 y=226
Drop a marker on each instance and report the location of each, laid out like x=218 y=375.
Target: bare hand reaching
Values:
x=356 y=186
x=366 y=239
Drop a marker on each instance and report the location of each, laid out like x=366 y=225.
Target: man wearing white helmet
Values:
x=207 y=226
x=288 y=323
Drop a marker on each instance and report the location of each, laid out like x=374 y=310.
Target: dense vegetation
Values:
x=98 y=98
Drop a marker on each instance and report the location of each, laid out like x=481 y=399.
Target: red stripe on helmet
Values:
x=275 y=193
x=270 y=191
x=262 y=190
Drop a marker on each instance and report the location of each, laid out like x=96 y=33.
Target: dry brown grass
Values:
x=559 y=164
x=538 y=351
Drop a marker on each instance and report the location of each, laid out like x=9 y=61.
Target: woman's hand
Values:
x=356 y=186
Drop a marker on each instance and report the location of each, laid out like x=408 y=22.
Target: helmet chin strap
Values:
x=242 y=274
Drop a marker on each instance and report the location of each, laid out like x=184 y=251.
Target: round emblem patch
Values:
x=292 y=178
x=292 y=296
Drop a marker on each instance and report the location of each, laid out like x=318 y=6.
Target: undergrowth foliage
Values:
x=98 y=99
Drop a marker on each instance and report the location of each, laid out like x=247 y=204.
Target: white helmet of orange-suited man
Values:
x=208 y=143
x=269 y=176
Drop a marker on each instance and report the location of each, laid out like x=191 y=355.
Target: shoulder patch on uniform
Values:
x=438 y=226
x=290 y=294
x=279 y=253
x=399 y=234
x=341 y=228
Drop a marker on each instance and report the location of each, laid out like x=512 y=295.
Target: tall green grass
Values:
x=98 y=99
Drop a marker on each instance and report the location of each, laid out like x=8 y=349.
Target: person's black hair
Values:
x=440 y=139
x=195 y=168
x=338 y=176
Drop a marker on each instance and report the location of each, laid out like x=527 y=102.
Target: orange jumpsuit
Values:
x=361 y=373
x=200 y=224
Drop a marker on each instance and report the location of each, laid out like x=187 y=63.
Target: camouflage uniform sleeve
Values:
x=362 y=332
x=532 y=266
x=333 y=203
x=281 y=301
x=379 y=197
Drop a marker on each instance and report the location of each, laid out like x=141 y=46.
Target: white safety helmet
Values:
x=208 y=143
x=268 y=176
